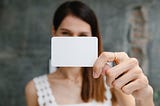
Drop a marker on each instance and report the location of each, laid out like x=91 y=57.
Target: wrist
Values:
x=146 y=98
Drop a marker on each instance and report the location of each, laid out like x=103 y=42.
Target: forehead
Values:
x=75 y=23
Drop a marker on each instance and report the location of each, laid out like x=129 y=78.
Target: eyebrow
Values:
x=65 y=29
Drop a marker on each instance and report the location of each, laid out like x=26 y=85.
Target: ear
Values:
x=53 y=31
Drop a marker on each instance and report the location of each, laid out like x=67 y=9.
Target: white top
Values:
x=45 y=97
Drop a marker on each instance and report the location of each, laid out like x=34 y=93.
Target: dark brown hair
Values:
x=91 y=88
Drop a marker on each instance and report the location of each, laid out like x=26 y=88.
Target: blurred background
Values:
x=25 y=28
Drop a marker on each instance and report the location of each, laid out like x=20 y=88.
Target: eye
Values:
x=83 y=35
x=65 y=33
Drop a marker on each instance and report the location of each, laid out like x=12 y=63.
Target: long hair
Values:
x=91 y=88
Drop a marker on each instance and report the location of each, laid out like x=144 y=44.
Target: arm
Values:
x=129 y=100
x=123 y=99
x=30 y=93
x=127 y=78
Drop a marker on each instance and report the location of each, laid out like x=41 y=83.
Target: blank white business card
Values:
x=74 y=51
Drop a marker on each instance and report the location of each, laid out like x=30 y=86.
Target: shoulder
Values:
x=30 y=87
x=31 y=94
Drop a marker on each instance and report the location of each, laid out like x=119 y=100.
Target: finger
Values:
x=110 y=56
x=100 y=63
x=97 y=68
x=120 y=69
x=104 y=58
x=135 y=85
x=105 y=68
x=120 y=56
x=126 y=78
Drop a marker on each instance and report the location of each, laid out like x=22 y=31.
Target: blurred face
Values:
x=73 y=27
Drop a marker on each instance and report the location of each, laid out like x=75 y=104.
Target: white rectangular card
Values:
x=74 y=51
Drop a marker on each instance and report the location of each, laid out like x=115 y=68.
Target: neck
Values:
x=72 y=73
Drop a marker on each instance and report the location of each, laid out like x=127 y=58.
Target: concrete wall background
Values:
x=25 y=28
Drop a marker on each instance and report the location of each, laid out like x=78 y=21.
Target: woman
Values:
x=76 y=86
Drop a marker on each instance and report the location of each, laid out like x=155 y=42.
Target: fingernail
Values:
x=95 y=74
x=103 y=72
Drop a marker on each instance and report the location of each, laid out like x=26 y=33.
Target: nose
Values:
x=75 y=35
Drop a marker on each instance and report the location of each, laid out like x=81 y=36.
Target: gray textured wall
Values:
x=25 y=27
